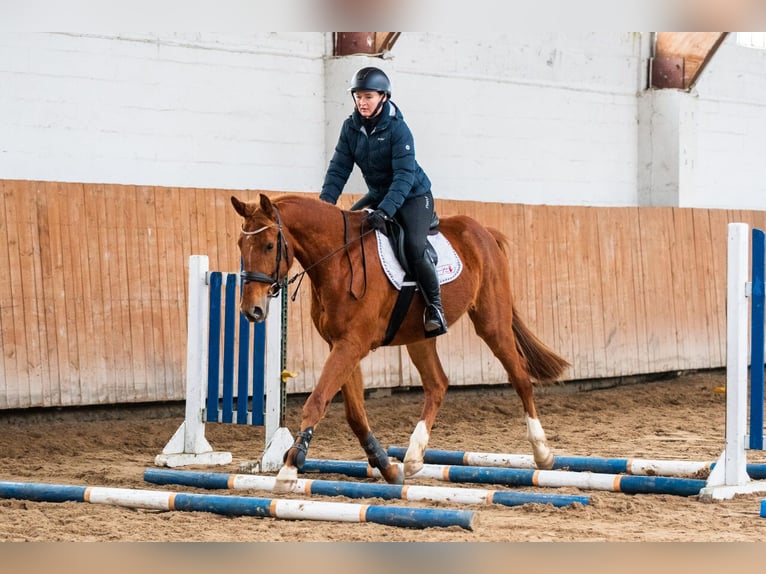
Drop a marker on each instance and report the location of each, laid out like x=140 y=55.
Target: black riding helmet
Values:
x=371 y=79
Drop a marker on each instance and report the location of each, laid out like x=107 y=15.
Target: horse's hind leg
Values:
x=353 y=403
x=494 y=326
x=435 y=382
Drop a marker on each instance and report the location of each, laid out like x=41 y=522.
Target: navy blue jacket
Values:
x=386 y=157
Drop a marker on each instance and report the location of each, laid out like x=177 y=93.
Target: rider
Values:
x=376 y=138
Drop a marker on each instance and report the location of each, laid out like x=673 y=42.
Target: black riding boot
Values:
x=434 y=322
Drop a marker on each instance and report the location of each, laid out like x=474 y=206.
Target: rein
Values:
x=347 y=243
x=350 y=263
x=275 y=282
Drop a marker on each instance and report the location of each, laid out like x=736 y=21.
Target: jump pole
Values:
x=730 y=476
x=458 y=495
x=524 y=477
x=240 y=505
x=635 y=466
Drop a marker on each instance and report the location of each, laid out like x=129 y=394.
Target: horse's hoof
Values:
x=412 y=467
x=394 y=474
x=287 y=478
x=545 y=463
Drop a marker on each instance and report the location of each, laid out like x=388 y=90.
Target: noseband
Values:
x=274 y=281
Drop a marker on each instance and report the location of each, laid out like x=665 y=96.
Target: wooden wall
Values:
x=93 y=282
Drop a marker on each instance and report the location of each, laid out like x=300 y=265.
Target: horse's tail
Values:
x=543 y=363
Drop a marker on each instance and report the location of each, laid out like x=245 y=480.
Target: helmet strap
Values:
x=379 y=107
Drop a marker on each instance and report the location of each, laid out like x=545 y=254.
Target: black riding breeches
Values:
x=415 y=216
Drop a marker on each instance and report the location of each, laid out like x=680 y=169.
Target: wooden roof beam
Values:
x=680 y=57
x=371 y=43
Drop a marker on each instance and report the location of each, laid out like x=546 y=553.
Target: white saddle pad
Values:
x=448 y=266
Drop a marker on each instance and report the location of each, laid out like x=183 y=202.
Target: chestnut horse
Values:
x=334 y=247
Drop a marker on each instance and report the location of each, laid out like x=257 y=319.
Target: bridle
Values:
x=273 y=281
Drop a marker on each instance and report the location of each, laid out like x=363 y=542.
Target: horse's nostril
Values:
x=255 y=314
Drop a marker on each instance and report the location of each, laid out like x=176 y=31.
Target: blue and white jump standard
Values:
x=203 y=373
x=730 y=476
x=410 y=517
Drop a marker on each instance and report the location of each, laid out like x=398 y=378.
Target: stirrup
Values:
x=436 y=324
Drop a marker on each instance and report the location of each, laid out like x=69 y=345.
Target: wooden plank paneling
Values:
x=624 y=317
x=117 y=297
x=657 y=241
x=704 y=253
x=682 y=283
x=14 y=391
x=93 y=282
x=586 y=291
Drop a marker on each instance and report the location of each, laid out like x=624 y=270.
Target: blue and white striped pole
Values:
x=635 y=466
x=525 y=477
x=241 y=505
x=453 y=495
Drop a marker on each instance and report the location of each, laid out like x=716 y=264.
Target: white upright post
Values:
x=278 y=439
x=189 y=445
x=729 y=476
x=272 y=376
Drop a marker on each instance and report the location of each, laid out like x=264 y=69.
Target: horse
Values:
x=353 y=320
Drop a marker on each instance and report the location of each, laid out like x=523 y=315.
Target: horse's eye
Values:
x=269 y=246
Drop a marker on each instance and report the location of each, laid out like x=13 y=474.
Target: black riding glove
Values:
x=377 y=220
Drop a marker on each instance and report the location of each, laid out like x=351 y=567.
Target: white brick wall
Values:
x=554 y=118
x=525 y=118
x=731 y=131
x=166 y=109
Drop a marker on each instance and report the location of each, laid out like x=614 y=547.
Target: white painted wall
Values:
x=557 y=118
x=730 y=168
x=527 y=118
x=185 y=109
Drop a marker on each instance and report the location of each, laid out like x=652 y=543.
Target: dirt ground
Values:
x=675 y=418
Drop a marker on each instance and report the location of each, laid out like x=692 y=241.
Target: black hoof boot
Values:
x=378 y=458
x=301 y=444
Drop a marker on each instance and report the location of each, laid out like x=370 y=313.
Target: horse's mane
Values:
x=303 y=200
x=295 y=198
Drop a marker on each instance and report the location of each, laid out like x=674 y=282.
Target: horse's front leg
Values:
x=353 y=402
x=435 y=382
x=343 y=360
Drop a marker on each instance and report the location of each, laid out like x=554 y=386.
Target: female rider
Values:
x=376 y=138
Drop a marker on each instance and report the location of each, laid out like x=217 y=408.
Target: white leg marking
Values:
x=287 y=478
x=536 y=437
x=413 y=460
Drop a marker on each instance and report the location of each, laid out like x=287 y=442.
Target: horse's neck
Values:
x=316 y=230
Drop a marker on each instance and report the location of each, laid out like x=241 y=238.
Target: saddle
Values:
x=395 y=234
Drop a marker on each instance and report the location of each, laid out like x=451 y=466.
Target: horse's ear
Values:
x=267 y=206
x=244 y=209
